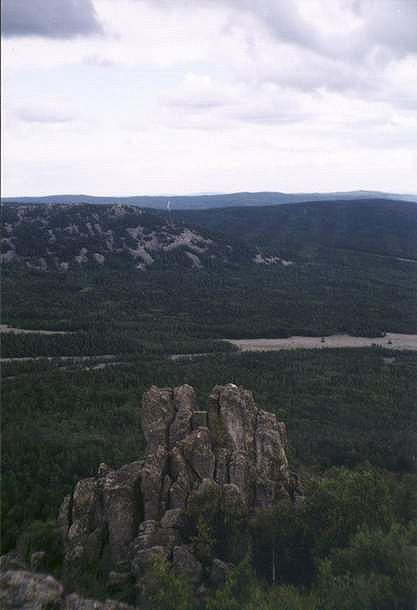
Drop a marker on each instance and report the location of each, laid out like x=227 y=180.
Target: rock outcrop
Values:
x=122 y=518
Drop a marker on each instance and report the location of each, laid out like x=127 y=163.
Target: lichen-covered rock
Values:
x=152 y=481
x=182 y=477
x=84 y=518
x=22 y=589
x=272 y=476
x=11 y=561
x=197 y=452
x=121 y=519
x=184 y=402
x=143 y=559
x=74 y=602
x=121 y=501
x=158 y=412
x=171 y=518
x=38 y=561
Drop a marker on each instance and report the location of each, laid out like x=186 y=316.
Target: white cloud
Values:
x=41 y=114
x=215 y=95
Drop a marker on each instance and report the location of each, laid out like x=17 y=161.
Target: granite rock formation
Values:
x=122 y=518
x=28 y=591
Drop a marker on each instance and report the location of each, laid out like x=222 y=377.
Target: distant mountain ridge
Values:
x=184 y=202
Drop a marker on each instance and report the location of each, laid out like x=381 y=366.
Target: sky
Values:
x=124 y=97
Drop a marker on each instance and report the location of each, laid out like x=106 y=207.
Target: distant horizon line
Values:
x=214 y=194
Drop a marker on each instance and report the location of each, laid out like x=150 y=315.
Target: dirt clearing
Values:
x=395 y=341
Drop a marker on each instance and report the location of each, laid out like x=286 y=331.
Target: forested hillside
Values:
x=308 y=230
x=312 y=269
x=60 y=238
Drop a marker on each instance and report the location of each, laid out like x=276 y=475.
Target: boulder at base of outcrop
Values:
x=21 y=589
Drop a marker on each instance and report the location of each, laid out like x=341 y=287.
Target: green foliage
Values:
x=286 y=597
x=341 y=502
x=204 y=540
x=239 y=591
x=43 y=536
x=283 y=544
x=163 y=589
x=382 y=557
x=215 y=527
x=346 y=592
x=293 y=543
x=242 y=591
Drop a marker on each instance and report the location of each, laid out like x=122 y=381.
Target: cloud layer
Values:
x=49 y=18
x=209 y=95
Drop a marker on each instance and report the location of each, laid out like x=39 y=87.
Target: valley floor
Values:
x=395 y=341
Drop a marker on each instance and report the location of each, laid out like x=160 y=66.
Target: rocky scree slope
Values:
x=122 y=518
x=65 y=237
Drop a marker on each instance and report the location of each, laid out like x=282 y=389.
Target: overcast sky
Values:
x=119 y=97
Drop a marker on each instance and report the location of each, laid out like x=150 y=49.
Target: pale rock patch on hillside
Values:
x=260 y=259
x=140 y=252
x=82 y=257
x=195 y=260
x=72 y=229
x=99 y=258
x=190 y=239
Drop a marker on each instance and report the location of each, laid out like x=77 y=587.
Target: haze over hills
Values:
x=183 y=202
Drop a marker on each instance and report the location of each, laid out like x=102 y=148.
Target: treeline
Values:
x=20 y=345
